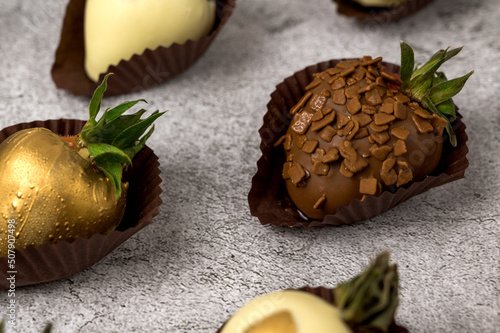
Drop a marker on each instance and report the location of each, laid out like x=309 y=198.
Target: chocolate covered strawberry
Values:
x=360 y=130
x=366 y=303
x=56 y=188
x=115 y=30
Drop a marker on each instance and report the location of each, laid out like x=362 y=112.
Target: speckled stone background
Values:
x=205 y=256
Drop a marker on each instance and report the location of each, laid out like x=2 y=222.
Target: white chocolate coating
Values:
x=118 y=29
x=310 y=313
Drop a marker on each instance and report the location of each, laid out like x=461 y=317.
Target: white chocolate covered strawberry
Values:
x=115 y=30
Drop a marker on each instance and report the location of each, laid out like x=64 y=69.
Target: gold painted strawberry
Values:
x=57 y=188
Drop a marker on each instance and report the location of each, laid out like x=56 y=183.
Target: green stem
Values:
x=369 y=301
x=115 y=138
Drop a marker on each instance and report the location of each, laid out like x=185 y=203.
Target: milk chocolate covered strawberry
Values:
x=360 y=130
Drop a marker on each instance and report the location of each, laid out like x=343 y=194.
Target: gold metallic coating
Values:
x=51 y=192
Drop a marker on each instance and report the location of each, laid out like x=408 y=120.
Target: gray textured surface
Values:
x=204 y=255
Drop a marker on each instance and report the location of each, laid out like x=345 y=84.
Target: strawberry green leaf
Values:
x=132 y=151
x=115 y=138
x=104 y=151
x=369 y=301
x=422 y=83
x=106 y=132
x=90 y=134
x=407 y=62
x=425 y=68
x=451 y=133
x=440 y=77
x=450 y=54
x=131 y=135
x=447 y=108
x=446 y=90
x=422 y=78
x=95 y=102
x=420 y=86
x=112 y=170
x=438 y=58
x=432 y=88
x=117 y=111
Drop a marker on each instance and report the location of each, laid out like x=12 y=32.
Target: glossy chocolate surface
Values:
x=355 y=134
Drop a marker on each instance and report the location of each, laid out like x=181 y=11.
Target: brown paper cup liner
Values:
x=268 y=198
x=51 y=262
x=380 y=15
x=144 y=71
x=327 y=295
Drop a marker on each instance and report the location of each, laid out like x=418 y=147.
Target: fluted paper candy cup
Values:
x=143 y=71
x=380 y=15
x=51 y=262
x=268 y=198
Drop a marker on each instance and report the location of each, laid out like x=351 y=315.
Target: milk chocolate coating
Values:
x=318 y=190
